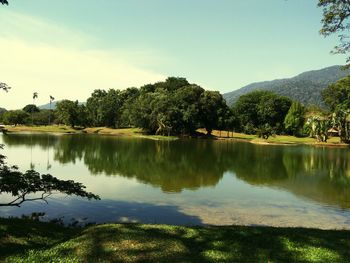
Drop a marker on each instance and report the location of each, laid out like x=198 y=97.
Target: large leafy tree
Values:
x=336 y=14
x=213 y=110
x=31 y=108
x=337 y=94
x=14 y=117
x=337 y=97
x=260 y=109
x=294 y=120
x=68 y=112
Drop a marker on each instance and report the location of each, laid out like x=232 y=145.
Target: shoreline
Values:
x=281 y=140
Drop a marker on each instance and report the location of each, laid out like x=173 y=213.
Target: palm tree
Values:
x=35 y=95
x=51 y=100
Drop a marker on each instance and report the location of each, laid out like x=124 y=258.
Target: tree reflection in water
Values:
x=317 y=173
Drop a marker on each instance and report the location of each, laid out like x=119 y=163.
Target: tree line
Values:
x=177 y=107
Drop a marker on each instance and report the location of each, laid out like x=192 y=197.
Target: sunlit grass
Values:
x=28 y=241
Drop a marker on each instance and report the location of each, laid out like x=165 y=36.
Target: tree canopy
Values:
x=261 y=109
x=336 y=14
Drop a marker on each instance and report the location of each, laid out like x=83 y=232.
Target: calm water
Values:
x=188 y=182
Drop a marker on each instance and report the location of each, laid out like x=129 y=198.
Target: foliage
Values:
x=31 y=108
x=178 y=107
x=71 y=113
x=318 y=127
x=294 y=120
x=341 y=121
x=264 y=131
x=259 y=108
x=15 y=117
x=337 y=98
x=22 y=185
x=336 y=14
x=43 y=116
x=338 y=94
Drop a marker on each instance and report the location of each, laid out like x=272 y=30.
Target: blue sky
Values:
x=68 y=48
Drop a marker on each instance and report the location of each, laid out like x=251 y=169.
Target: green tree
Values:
x=258 y=108
x=337 y=98
x=337 y=94
x=67 y=112
x=93 y=105
x=341 y=121
x=15 y=117
x=213 y=108
x=336 y=14
x=294 y=120
x=31 y=108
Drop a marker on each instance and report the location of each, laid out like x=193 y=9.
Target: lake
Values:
x=187 y=182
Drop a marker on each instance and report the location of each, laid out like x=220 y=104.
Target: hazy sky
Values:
x=69 y=48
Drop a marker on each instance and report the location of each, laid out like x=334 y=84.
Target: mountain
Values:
x=305 y=87
x=47 y=106
x=53 y=105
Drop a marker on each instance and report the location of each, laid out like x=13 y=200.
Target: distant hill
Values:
x=47 y=106
x=305 y=87
x=53 y=105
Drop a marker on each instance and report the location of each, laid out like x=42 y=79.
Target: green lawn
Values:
x=61 y=129
x=29 y=241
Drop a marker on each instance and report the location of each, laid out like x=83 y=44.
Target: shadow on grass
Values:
x=18 y=235
x=163 y=243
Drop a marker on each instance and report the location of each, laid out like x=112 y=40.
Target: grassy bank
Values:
x=61 y=129
x=138 y=133
x=29 y=241
x=278 y=139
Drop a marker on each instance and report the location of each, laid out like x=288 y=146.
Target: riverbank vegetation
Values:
x=31 y=241
x=176 y=107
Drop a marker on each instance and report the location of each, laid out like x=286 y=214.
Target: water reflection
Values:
x=317 y=173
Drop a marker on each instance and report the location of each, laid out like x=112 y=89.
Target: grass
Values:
x=48 y=129
x=29 y=241
x=61 y=129
x=278 y=139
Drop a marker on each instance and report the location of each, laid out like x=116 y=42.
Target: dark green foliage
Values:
x=178 y=107
x=338 y=94
x=305 y=88
x=42 y=117
x=260 y=108
x=71 y=113
x=15 y=117
x=294 y=120
x=4 y=2
x=213 y=111
x=104 y=108
x=336 y=14
x=337 y=98
x=31 y=108
x=264 y=131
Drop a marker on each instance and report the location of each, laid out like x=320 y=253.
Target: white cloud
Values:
x=52 y=60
